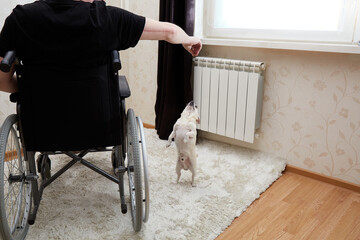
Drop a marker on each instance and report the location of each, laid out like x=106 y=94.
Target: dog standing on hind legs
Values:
x=184 y=133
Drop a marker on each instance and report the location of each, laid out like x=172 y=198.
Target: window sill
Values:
x=302 y=46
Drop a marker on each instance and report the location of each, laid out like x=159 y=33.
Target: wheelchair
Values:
x=30 y=137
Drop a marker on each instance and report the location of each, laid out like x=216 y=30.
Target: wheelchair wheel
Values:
x=145 y=169
x=134 y=171
x=15 y=191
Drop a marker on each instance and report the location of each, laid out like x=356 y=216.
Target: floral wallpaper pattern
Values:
x=6 y=107
x=140 y=66
x=311 y=108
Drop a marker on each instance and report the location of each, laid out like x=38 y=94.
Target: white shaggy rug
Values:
x=82 y=204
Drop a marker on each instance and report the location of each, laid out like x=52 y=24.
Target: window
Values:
x=305 y=21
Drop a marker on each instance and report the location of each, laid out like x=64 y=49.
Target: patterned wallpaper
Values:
x=140 y=66
x=6 y=107
x=311 y=108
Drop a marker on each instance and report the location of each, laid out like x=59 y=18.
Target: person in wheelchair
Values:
x=79 y=33
x=70 y=100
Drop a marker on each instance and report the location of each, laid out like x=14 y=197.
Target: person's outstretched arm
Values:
x=8 y=81
x=155 y=30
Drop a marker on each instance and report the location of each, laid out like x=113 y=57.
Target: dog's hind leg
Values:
x=193 y=176
x=178 y=171
x=192 y=168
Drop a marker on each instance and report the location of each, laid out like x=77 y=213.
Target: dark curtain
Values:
x=174 y=67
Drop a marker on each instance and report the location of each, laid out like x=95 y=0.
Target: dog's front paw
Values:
x=193 y=184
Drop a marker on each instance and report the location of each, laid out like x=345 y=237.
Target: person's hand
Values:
x=194 y=46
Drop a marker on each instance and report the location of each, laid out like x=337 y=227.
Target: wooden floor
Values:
x=297 y=207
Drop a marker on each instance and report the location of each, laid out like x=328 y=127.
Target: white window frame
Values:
x=344 y=42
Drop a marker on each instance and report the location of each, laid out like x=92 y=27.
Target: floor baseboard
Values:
x=146 y=125
x=323 y=178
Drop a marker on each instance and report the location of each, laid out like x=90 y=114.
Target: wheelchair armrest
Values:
x=115 y=58
x=124 y=87
x=8 y=60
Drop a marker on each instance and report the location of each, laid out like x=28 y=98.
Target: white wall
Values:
x=140 y=66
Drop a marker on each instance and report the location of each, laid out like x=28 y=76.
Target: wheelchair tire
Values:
x=15 y=191
x=134 y=171
x=145 y=170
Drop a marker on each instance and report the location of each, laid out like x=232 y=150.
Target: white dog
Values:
x=184 y=133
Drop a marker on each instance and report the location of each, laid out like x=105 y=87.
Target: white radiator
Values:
x=229 y=96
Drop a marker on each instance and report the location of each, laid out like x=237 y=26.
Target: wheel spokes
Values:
x=16 y=196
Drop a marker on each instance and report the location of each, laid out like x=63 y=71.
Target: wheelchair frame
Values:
x=18 y=167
